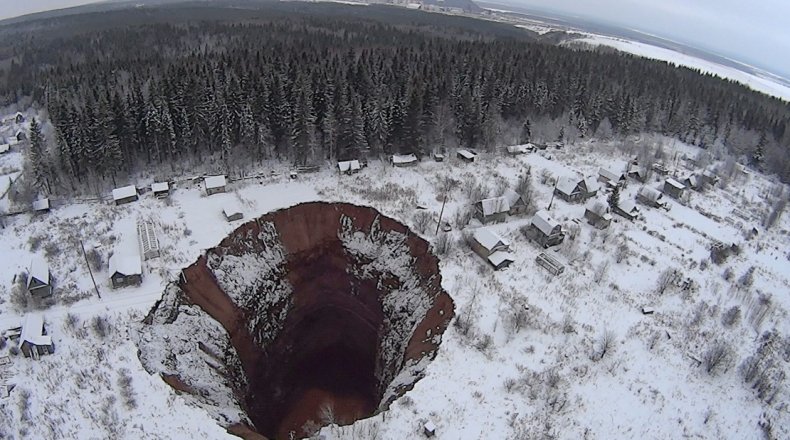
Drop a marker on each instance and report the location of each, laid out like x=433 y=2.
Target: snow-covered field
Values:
x=762 y=83
x=500 y=374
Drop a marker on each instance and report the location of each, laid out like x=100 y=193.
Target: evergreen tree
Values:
x=614 y=197
x=39 y=158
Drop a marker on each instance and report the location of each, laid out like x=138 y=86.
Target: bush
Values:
x=731 y=317
x=717 y=358
x=421 y=220
x=100 y=326
x=443 y=244
x=34 y=242
x=95 y=259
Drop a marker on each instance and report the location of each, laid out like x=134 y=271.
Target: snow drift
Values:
x=310 y=315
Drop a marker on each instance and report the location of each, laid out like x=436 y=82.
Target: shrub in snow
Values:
x=604 y=345
x=443 y=244
x=421 y=221
x=731 y=317
x=747 y=279
x=717 y=358
x=100 y=326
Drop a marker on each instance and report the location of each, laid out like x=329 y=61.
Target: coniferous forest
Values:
x=305 y=83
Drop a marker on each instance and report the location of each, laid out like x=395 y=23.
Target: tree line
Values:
x=307 y=89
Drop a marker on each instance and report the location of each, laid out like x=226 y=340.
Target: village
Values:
x=586 y=235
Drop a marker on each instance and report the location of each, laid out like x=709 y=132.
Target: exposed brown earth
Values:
x=328 y=350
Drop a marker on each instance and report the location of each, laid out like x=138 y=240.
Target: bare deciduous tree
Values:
x=717 y=357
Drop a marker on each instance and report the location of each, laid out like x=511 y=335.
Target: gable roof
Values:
x=609 y=174
x=213 y=182
x=403 y=158
x=125 y=264
x=675 y=183
x=467 y=154
x=39 y=269
x=33 y=329
x=500 y=257
x=567 y=185
x=489 y=239
x=494 y=205
x=349 y=165
x=160 y=186
x=649 y=193
x=543 y=221
x=41 y=204
x=124 y=192
x=628 y=206
x=512 y=197
x=231 y=208
x=591 y=184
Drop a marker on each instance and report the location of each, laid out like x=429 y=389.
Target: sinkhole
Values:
x=327 y=312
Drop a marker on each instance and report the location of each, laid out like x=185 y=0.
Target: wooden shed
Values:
x=161 y=189
x=404 y=160
x=215 y=184
x=627 y=209
x=673 y=188
x=232 y=211
x=349 y=166
x=41 y=206
x=597 y=214
x=466 y=155
x=126 y=194
x=518 y=206
x=650 y=197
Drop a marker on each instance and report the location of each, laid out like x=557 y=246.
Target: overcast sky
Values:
x=753 y=31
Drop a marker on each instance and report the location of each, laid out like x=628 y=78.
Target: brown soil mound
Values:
x=347 y=299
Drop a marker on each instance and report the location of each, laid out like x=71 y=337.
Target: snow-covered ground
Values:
x=762 y=83
x=495 y=375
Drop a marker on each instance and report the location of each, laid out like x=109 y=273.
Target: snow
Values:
x=125 y=264
x=214 y=182
x=610 y=175
x=675 y=183
x=4 y=148
x=467 y=154
x=761 y=81
x=41 y=205
x=124 y=192
x=511 y=196
x=39 y=269
x=231 y=208
x=543 y=221
x=489 y=239
x=33 y=329
x=348 y=165
x=520 y=149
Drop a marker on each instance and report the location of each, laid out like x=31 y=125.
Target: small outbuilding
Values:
x=516 y=150
x=429 y=429
x=466 y=155
x=149 y=244
x=651 y=197
x=38 y=278
x=126 y=194
x=438 y=157
x=550 y=263
x=41 y=206
x=215 y=184
x=597 y=214
x=518 y=206
x=627 y=209
x=544 y=230
x=404 y=160
x=34 y=341
x=126 y=269
x=492 y=247
x=673 y=188
x=232 y=211
x=161 y=190
x=349 y=166
x=494 y=209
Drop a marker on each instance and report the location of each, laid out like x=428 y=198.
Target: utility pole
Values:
x=441 y=213
x=87 y=263
x=552 y=195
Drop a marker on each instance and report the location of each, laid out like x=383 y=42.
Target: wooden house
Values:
x=127 y=194
x=161 y=190
x=637 y=173
x=41 y=206
x=39 y=283
x=349 y=166
x=19 y=118
x=709 y=178
x=466 y=155
x=550 y=263
x=574 y=190
x=518 y=206
x=610 y=178
x=660 y=168
x=544 y=230
x=232 y=211
x=404 y=160
x=491 y=247
x=651 y=197
x=34 y=341
x=126 y=269
x=494 y=209
x=149 y=244
x=627 y=209
x=215 y=184
x=673 y=188
x=597 y=214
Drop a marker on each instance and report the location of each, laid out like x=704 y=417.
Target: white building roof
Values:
x=675 y=183
x=4 y=148
x=566 y=185
x=519 y=149
x=511 y=196
x=39 y=269
x=231 y=208
x=543 y=221
x=500 y=257
x=467 y=154
x=650 y=193
x=628 y=206
x=591 y=184
x=125 y=264
x=41 y=205
x=160 y=186
x=495 y=205
x=348 y=165
x=213 y=182
x=32 y=329
x=403 y=158
x=609 y=174
x=489 y=239
x=122 y=193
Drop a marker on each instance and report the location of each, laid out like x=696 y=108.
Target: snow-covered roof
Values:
x=597 y=207
x=429 y=426
x=609 y=174
x=628 y=206
x=125 y=264
x=41 y=205
x=519 y=149
x=39 y=269
x=591 y=184
x=495 y=205
x=33 y=329
x=467 y=154
x=543 y=221
x=499 y=257
x=511 y=196
x=403 y=158
x=160 y=186
x=214 y=181
x=566 y=185
x=231 y=208
x=122 y=193
x=489 y=239
x=675 y=183
x=4 y=148
x=348 y=165
x=650 y=193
